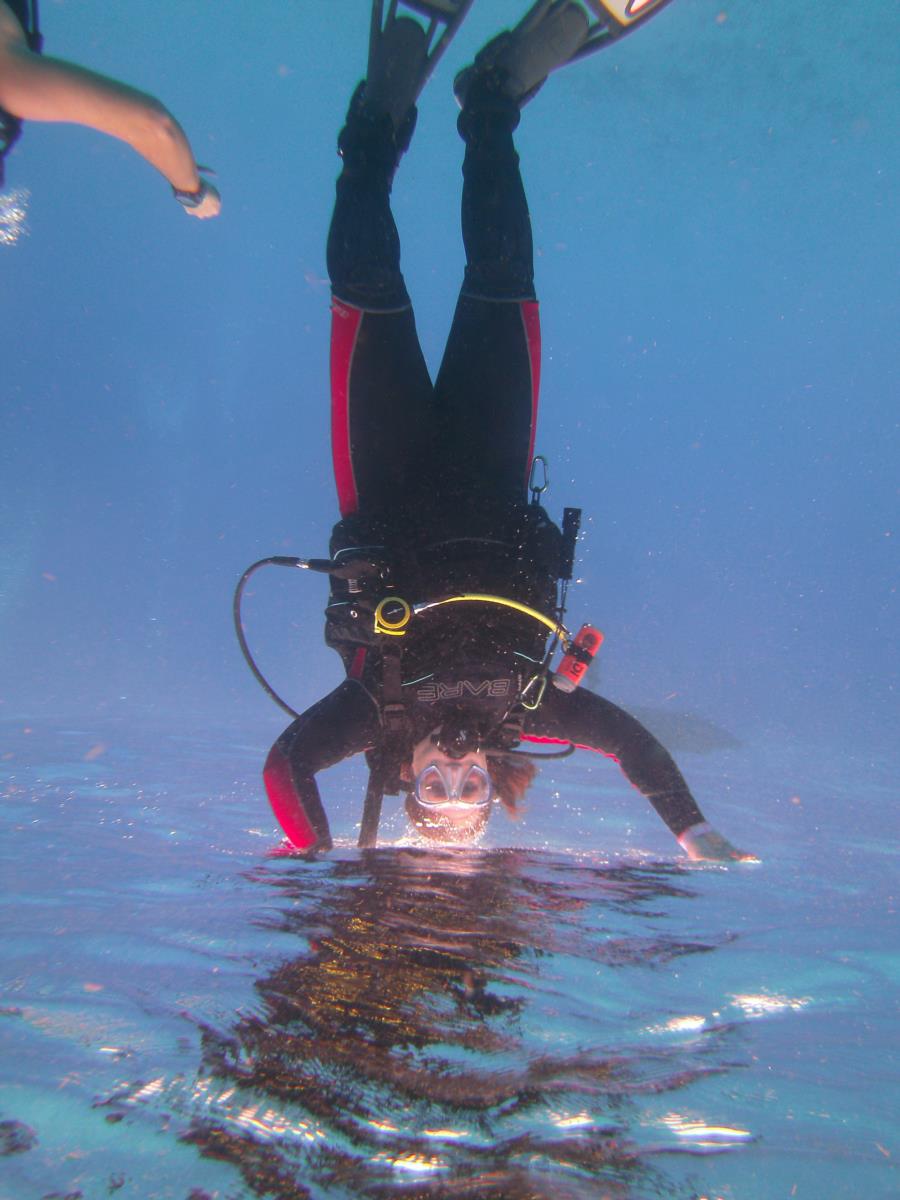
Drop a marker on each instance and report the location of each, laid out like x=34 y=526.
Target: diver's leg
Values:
x=382 y=396
x=487 y=387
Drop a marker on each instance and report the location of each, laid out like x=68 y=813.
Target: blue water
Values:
x=569 y=1009
x=183 y=1011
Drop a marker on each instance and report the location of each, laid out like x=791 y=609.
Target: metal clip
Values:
x=541 y=681
x=535 y=488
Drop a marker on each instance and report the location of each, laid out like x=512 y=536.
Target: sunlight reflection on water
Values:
x=13 y=215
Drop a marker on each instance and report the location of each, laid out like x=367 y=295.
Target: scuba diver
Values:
x=36 y=88
x=447 y=582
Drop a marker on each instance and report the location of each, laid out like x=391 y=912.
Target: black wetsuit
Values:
x=434 y=477
x=25 y=12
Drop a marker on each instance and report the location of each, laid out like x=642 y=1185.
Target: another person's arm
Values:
x=593 y=723
x=36 y=88
x=341 y=724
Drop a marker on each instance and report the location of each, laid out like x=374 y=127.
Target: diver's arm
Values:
x=593 y=723
x=341 y=724
x=37 y=88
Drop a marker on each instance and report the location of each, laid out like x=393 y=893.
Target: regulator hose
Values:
x=277 y=560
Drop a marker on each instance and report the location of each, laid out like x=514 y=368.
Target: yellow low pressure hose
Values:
x=553 y=626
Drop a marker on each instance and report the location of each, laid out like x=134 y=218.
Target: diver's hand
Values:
x=204 y=203
x=703 y=843
x=284 y=849
x=287 y=849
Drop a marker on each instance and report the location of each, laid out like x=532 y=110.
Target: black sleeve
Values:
x=341 y=724
x=593 y=723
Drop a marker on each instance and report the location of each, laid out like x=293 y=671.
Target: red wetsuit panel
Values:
x=531 y=321
x=559 y=741
x=286 y=804
x=345 y=322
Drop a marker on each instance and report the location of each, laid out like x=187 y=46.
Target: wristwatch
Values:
x=192 y=199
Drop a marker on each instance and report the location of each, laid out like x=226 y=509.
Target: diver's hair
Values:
x=511 y=777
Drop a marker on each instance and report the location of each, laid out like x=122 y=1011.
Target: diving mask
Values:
x=460 y=785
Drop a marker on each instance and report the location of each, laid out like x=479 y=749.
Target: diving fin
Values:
x=403 y=52
x=517 y=61
x=552 y=34
x=616 y=18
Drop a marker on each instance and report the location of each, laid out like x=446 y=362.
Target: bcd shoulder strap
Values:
x=386 y=761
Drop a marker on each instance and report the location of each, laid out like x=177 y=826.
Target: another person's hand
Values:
x=204 y=203
x=209 y=206
x=703 y=843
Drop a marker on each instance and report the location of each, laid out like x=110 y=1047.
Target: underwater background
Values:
x=571 y=1009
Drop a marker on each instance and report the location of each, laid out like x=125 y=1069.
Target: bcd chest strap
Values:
x=386 y=761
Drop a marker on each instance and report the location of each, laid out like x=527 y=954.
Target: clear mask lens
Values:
x=438 y=786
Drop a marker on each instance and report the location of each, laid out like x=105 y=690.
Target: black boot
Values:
x=488 y=108
x=369 y=141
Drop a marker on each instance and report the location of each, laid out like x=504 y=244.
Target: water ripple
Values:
x=448 y=1024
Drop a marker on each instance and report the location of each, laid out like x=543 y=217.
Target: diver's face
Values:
x=452 y=803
